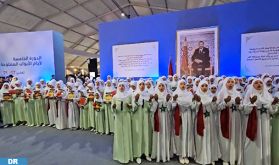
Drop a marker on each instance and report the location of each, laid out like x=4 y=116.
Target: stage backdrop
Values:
x=232 y=19
x=33 y=55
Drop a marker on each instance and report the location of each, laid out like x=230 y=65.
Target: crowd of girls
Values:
x=202 y=119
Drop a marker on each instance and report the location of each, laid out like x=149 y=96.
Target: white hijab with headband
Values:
x=121 y=95
x=224 y=92
x=151 y=89
x=205 y=98
x=3 y=89
x=100 y=97
x=263 y=96
x=195 y=87
x=92 y=86
x=144 y=95
x=109 y=89
x=161 y=95
x=41 y=89
x=184 y=97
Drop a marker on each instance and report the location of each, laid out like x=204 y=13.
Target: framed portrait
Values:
x=197 y=52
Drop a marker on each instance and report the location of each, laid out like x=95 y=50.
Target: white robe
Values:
x=52 y=111
x=73 y=115
x=61 y=120
x=184 y=143
x=207 y=148
x=161 y=139
x=231 y=149
x=258 y=152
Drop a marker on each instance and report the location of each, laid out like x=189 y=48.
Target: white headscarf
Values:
x=39 y=89
x=213 y=94
x=151 y=89
x=121 y=95
x=3 y=89
x=133 y=83
x=70 y=84
x=144 y=95
x=184 y=97
x=110 y=88
x=71 y=79
x=161 y=95
x=265 y=82
x=263 y=96
x=195 y=87
x=100 y=97
x=52 y=83
x=205 y=98
x=188 y=78
x=224 y=92
x=274 y=81
x=264 y=75
x=92 y=86
x=29 y=86
x=62 y=86
x=18 y=83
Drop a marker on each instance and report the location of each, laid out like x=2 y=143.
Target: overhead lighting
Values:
x=123 y=14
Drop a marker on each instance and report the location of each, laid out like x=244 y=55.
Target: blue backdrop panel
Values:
x=59 y=62
x=232 y=19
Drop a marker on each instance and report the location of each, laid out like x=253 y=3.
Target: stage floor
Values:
x=49 y=146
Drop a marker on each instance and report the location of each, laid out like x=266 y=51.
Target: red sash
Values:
x=67 y=108
x=252 y=124
x=200 y=121
x=225 y=122
x=177 y=121
x=57 y=108
x=156 y=121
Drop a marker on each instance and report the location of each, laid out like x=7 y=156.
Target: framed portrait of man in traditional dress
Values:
x=197 y=51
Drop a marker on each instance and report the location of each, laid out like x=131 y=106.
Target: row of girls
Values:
x=74 y=105
x=204 y=119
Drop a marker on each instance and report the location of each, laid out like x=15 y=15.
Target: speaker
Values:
x=93 y=66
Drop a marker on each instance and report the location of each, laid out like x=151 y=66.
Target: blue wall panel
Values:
x=232 y=19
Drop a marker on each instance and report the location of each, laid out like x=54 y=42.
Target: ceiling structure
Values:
x=78 y=20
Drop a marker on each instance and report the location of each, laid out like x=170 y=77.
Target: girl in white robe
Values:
x=205 y=132
x=62 y=113
x=183 y=123
x=51 y=103
x=161 y=128
x=258 y=106
x=71 y=106
x=229 y=120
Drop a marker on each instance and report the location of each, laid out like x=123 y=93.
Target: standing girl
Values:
x=161 y=129
x=205 y=134
x=122 y=142
x=183 y=123
x=258 y=106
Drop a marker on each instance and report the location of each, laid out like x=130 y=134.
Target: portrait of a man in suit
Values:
x=200 y=59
